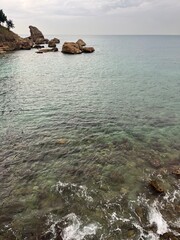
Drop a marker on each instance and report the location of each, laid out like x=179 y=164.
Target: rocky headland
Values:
x=10 y=41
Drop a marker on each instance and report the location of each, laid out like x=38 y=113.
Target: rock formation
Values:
x=71 y=48
x=76 y=48
x=9 y=41
x=36 y=34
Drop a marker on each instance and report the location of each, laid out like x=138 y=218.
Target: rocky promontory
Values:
x=10 y=41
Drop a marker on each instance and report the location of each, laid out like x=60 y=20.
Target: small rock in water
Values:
x=157 y=185
x=175 y=170
x=168 y=236
x=62 y=141
x=155 y=163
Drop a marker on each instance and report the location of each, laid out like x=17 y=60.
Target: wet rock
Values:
x=88 y=49
x=131 y=234
x=155 y=163
x=71 y=48
x=45 y=50
x=37 y=46
x=157 y=185
x=169 y=236
x=47 y=236
x=175 y=170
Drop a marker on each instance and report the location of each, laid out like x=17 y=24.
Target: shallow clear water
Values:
x=82 y=136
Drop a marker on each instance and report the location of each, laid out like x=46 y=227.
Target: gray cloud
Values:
x=101 y=16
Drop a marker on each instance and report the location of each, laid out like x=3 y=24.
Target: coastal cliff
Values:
x=10 y=41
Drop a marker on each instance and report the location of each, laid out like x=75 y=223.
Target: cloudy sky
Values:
x=95 y=16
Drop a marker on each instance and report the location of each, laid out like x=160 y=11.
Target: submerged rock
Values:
x=71 y=48
x=175 y=170
x=157 y=185
x=45 y=50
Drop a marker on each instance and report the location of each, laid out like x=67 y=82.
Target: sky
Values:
x=91 y=17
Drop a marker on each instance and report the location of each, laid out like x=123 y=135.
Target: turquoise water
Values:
x=82 y=136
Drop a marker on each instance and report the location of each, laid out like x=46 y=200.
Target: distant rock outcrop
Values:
x=71 y=48
x=76 y=48
x=36 y=34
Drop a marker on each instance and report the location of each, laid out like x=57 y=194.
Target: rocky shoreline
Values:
x=10 y=41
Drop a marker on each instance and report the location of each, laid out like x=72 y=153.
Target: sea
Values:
x=90 y=143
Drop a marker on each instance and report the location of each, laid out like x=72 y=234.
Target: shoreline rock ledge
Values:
x=10 y=41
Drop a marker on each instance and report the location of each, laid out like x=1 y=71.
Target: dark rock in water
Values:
x=155 y=163
x=169 y=236
x=157 y=185
x=37 y=46
x=45 y=50
x=71 y=48
x=47 y=236
x=88 y=49
x=175 y=170
x=51 y=44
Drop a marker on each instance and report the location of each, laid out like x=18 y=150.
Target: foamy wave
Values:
x=80 y=191
x=73 y=228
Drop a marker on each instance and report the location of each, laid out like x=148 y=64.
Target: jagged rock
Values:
x=88 y=49
x=35 y=33
x=11 y=41
x=81 y=43
x=71 y=48
x=157 y=185
x=51 y=43
x=56 y=40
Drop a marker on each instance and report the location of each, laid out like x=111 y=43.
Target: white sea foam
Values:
x=78 y=190
x=155 y=217
x=74 y=230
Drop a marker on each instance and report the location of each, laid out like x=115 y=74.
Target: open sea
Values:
x=82 y=136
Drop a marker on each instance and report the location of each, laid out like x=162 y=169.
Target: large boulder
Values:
x=35 y=33
x=71 y=48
